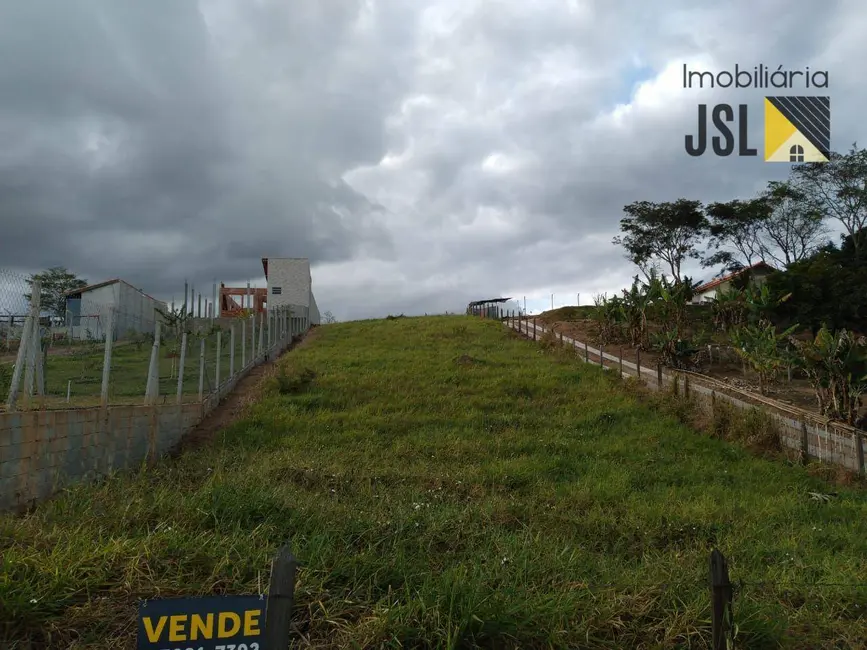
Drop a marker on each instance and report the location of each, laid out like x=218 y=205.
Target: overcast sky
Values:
x=421 y=153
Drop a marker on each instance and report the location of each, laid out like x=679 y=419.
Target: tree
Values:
x=56 y=283
x=839 y=189
x=735 y=229
x=662 y=232
x=828 y=288
x=328 y=317
x=795 y=226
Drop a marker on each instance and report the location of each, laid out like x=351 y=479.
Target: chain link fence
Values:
x=83 y=353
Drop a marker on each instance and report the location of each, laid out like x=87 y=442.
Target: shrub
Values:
x=290 y=380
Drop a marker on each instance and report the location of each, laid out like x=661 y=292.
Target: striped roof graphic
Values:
x=811 y=116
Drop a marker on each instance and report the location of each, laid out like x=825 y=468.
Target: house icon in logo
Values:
x=797 y=129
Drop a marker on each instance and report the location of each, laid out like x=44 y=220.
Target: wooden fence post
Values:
x=659 y=376
x=721 y=602
x=534 y=328
x=859 y=452
x=586 y=353
x=621 y=361
x=281 y=598
x=805 y=443
x=638 y=363
x=602 y=355
x=686 y=386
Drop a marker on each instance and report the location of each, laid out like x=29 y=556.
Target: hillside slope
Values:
x=446 y=484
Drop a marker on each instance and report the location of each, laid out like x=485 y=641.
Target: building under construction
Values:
x=236 y=300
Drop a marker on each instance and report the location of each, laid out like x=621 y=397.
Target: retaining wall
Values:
x=812 y=435
x=44 y=451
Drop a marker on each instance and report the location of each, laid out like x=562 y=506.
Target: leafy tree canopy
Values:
x=56 y=282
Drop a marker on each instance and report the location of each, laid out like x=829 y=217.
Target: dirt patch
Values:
x=232 y=408
x=467 y=360
x=720 y=363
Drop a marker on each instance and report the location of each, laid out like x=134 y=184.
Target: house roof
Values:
x=99 y=285
x=707 y=286
x=91 y=287
x=476 y=303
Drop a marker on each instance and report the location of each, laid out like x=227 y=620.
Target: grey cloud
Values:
x=234 y=130
x=189 y=159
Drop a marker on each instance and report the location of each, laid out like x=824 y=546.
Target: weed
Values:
x=289 y=380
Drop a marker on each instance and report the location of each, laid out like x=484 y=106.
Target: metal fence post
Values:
x=181 y=368
x=202 y=371
x=106 y=359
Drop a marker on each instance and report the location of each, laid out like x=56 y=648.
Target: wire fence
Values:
x=66 y=351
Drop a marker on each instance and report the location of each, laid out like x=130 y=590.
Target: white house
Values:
x=134 y=311
x=708 y=291
x=290 y=284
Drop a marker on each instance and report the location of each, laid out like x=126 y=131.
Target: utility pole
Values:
x=552 y=301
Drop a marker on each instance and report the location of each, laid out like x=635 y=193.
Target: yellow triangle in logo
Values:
x=778 y=129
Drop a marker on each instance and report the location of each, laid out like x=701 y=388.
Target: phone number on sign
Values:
x=227 y=646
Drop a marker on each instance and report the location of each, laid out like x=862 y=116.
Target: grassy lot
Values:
x=445 y=484
x=82 y=366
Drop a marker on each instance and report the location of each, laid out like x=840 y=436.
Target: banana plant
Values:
x=836 y=365
x=636 y=303
x=609 y=317
x=763 y=348
x=761 y=302
x=729 y=309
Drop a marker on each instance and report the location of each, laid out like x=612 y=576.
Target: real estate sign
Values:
x=207 y=623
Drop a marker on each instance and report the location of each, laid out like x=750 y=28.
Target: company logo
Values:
x=797 y=129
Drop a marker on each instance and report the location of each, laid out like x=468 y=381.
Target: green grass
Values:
x=81 y=371
x=445 y=484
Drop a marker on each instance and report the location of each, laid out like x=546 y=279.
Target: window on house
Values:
x=796 y=153
x=276 y=291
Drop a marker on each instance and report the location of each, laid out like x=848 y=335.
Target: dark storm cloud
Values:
x=122 y=119
x=420 y=153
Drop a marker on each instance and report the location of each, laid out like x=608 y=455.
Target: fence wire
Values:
x=143 y=344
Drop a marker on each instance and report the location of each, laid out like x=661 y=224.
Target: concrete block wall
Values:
x=292 y=276
x=44 y=451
